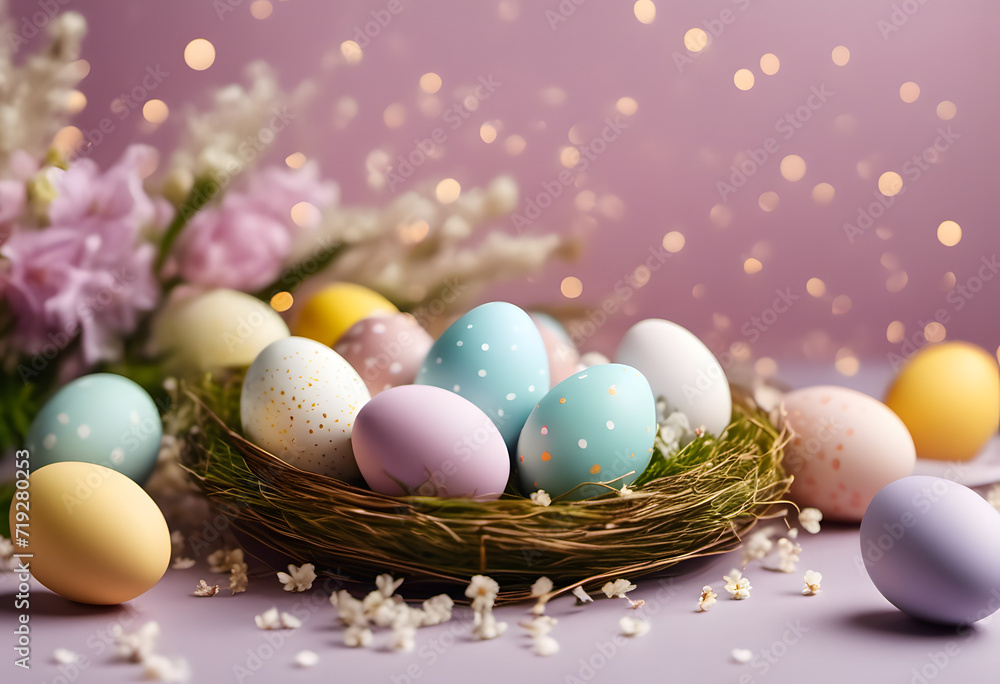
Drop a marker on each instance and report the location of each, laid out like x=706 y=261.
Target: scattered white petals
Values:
x=138 y=645
x=757 y=546
x=350 y=611
x=483 y=591
x=64 y=656
x=737 y=585
x=163 y=669
x=793 y=533
x=436 y=610
x=810 y=518
x=539 y=626
x=633 y=627
x=238 y=579
x=742 y=655
x=812 y=580
x=707 y=600
x=485 y=626
x=618 y=588
x=541 y=498
x=542 y=586
x=788 y=555
x=298 y=578
x=582 y=596
x=387 y=586
x=635 y=605
x=357 y=636
x=545 y=646
x=205 y=589
x=182 y=563
x=223 y=560
x=674 y=430
x=404 y=638
x=306 y=658
x=625 y=492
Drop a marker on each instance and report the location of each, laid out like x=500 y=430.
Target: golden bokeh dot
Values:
x=627 y=106
x=816 y=287
x=846 y=362
x=841 y=55
x=743 y=79
x=282 y=301
x=515 y=144
x=895 y=331
x=261 y=9
x=585 y=200
x=751 y=266
x=769 y=64
x=412 y=233
x=447 y=191
x=896 y=281
x=394 y=115
x=766 y=367
x=946 y=110
x=935 y=332
x=67 y=140
x=430 y=82
x=304 y=214
x=695 y=39
x=488 y=132
x=793 y=168
x=295 y=160
x=81 y=68
x=571 y=287
x=641 y=275
x=645 y=11
x=673 y=241
x=949 y=233
x=155 y=111
x=883 y=233
x=768 y=201
x=822 y=193
x=948 y=280
x=351 y=51
x=841 y=305
x=890 y=183
x=721 y=215
x=740 y=350
x=76 y=102
x=199 y=54
x=909 y=92
x=699 y=291
x=569 y=156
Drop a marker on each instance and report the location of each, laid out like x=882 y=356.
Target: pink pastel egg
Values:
x=563 y=356
x=386 y=350
x=846 y=447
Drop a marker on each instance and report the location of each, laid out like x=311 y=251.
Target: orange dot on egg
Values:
x=840 y=447
x=546 y=455
x=562 y=400
x=595 y=469
x=836 y=464
x=612 y=391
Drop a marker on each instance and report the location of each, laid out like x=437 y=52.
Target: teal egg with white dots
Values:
x=597 y=425
x=101 y=418
x=493 y=356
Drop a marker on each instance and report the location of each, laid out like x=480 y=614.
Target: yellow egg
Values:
x=330 y=312
x=948 y=396
x=94 y=535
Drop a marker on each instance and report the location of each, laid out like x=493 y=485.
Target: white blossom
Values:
x=541 y=498
x=204 y=589
x=708 y=597
x=742 y=655
x=403 y=637
x=306 y=658
x=581 y=595
x=64 y=656
x=437 y=609
x=545 y=646
x=542 y=585
x=757 y=546
x=272 y=619
x=357 y=636
x=812 y=580
x=674 y=430
x=809 y=519
x=158 y=668
x=788 y=555
x=386 y=585
x=137 y=645
x=483 y=592
x=238 y=578
x=540 y=625
x=182 y=563
x=793 y=533
x=350 y=611
x=618 y=588
x=633 y=627
x=625 y=492
x=487 y=627
x=223 y=560
x=737 y=585
x=298 y=578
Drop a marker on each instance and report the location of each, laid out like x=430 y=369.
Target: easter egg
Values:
x=930 y=547
x=681 y=370
x=494 y=357
x=948 y=395
x=846 y=447
x=594 y=426
x=101 y=418
x=385 y=349
x=429 y=441
x=220 y=329
x=95 y=536
x=299 y=401
x=563 y=356
x=329 y=313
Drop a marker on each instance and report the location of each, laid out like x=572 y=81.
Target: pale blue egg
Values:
x=494 y=357
x=101 y=418
x=595 y=426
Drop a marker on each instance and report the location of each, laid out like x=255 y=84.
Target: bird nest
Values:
x=696 y=502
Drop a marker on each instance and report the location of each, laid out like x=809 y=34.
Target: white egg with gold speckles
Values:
x=299 y=401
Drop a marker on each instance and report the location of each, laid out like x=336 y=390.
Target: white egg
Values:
x=299 y=401
x=681 y=370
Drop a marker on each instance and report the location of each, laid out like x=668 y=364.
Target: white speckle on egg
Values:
x=83 y=431
x=582 y=443
x=437 y=360
x=117 y=455
x=456 y=388
x=49 y=441
x=63 y=418
x=469 y=326
x=459 y=343
x=531 y=388
x=395 y=367
x=611 y=425
x=485 y=347
x=500 y=412
x=581 y=377
x=482 y=372
x=134 y=418
x=511 y=396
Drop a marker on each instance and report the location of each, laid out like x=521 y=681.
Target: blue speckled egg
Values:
x=101 y=418
x=594 y=426
x=494 y=357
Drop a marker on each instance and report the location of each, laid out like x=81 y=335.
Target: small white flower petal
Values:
x=809 y=519
x=64 y=656
x=582 y=596
x=545 y=646
x=182 y=563
x=541 y=498
x=306 y=658
x=742 y=655
x=633 y=627
x=542 y=585
x=163 y=669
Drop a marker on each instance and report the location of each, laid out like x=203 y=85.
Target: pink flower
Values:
x=87 y=272
x=242 y=243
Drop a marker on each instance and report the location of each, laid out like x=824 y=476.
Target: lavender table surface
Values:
x=847 y=632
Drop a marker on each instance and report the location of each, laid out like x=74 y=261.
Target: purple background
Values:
x=661 y=174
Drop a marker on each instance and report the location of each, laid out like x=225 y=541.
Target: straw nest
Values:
x=696 y=502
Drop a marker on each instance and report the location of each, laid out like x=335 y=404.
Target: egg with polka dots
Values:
x=595 y=426
x=493 y=356
x=386 y=349
x=846 y=446
x=101 y=418
x=299 y=401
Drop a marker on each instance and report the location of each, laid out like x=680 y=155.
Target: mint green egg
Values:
x=101 y=418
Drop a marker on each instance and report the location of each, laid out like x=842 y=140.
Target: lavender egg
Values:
x=932 y=548
x=426 y=440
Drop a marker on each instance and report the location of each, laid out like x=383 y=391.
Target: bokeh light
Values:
x=199 y=54
x=743 y=79
x=949 y=233
x=447 y=191
x=571 y=287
